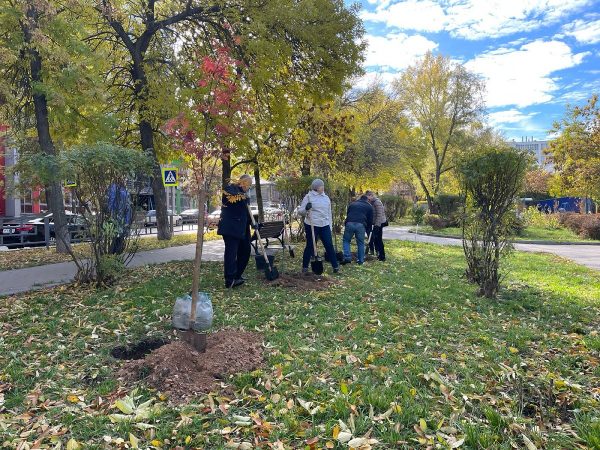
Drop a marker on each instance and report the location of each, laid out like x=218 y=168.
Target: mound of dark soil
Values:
x=180 y=372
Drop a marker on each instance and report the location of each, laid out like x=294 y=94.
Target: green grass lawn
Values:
x=402 y=352
x=529 y=234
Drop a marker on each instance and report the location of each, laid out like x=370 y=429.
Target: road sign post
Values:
x=170 y=177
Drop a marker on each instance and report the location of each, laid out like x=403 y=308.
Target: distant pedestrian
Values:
x=234 y=226
x=316 y=208
x=359 y=221
x=119 y=206
x=379 y=221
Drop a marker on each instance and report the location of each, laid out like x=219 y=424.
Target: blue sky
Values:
x=535 y=55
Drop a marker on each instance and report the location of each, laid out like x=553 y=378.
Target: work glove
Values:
x=308 y=206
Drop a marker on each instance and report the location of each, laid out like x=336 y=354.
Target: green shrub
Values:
x=395 y=206
x=491 y=180
x=436 y=222
x=417 y=215
x=534 y=218
x=585 y=225
x=448 y=206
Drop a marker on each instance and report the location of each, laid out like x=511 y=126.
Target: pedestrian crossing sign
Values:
x=170 y=176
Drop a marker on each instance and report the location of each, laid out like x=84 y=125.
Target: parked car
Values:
x=15 y=232
x=189 y=215
x=32 y=232
x=212 y=219
x=75 y=224
x=150 y=219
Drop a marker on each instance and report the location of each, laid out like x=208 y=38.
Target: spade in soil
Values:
x=286 y=237
x=271 y=272
x=316 y=263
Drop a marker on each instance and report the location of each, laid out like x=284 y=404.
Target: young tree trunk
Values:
x=259 y=199
x=198 y=255
x=54 y=195
x=226 y=172
x=305 y=167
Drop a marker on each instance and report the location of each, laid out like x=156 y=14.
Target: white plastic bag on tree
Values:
x=204 y=312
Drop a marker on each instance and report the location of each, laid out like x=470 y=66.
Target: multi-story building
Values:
x=537 y=148
x=9 y=204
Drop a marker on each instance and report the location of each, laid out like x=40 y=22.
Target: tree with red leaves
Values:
x=217 y=116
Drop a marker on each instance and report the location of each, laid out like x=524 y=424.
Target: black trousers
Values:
x=237 y=254
x=377 y=240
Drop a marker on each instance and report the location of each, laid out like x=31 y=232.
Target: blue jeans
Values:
x=354 y=229
x=324 y=234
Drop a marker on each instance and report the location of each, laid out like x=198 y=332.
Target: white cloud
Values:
x=509 y=116
x=422 y=15
x=396 y=50
x=370 y=78
x=473 y=19
x=522 y=76
x=584 y=32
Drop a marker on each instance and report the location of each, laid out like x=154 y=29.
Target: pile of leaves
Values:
x=398 y=354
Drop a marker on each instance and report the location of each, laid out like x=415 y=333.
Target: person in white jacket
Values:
x=316 y=209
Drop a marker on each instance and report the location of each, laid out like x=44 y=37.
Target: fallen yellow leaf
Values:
x=133 y=441
x=336 y=431
x=73 y=444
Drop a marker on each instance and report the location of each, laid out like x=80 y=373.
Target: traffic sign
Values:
x=169 y=176
x=70 y=183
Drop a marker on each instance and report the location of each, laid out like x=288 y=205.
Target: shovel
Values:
x=271 y=272
x=339 y=255
x=368 y=241
x=286 y=237
x=316 y=263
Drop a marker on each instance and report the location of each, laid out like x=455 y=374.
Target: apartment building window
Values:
x=27 y=203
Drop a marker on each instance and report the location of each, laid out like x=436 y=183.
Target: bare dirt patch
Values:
x=308 y=281
x=177 y=370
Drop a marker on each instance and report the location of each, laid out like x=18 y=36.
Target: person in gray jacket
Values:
x=316 y=208
x=379 y=221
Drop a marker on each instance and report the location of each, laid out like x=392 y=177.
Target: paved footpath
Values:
x=586 y=255
x=23 y=280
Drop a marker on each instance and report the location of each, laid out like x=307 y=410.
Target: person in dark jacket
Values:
x=379 y=221
x=359 y=221
x=234 y=226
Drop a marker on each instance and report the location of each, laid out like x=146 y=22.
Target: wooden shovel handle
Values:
x=262 y=247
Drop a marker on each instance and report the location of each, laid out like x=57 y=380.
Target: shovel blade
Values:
x=196 y=340
x=317 y=266
x=271 y=273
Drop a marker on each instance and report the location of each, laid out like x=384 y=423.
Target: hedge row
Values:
x=585 y=225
